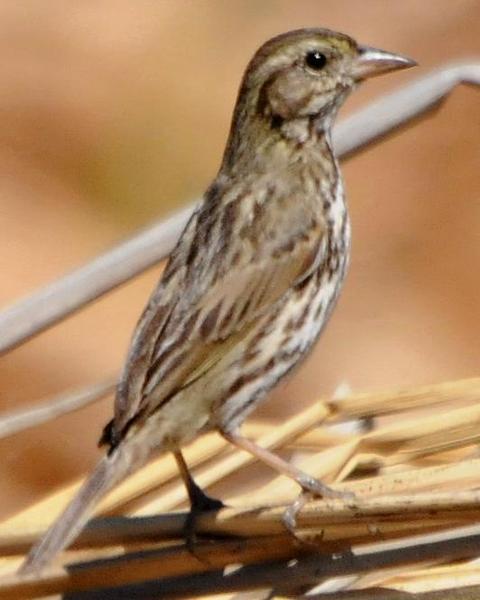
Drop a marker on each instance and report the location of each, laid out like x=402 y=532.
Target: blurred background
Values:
x=114 y=114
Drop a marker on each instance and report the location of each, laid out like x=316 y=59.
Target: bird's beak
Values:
x=372 y=61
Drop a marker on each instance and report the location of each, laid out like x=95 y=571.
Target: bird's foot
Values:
x=200 y=503
x=311 y=488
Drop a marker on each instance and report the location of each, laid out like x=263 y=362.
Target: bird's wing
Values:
x=210 y=305
x=148 y=332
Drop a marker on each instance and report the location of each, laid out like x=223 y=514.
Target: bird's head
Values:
x=309 y=72
x=299 y=79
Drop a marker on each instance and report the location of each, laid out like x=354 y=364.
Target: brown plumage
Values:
x=253 y=277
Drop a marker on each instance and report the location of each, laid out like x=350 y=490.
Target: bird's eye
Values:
x=315 y=60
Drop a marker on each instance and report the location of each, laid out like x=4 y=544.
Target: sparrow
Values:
x=252 y=280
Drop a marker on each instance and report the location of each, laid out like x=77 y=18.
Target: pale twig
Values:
x=57 y=300
x=47 y=410
x=54 y=302
x=381 y=403
x=403 y=105
x=367 y=519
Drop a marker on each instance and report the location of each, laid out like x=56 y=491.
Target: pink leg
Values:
x=309 y=484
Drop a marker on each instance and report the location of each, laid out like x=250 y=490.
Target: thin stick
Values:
x=375 y=404
x=54 y=302
x=383 y=116
x=368 y=518
x=47 y=410
x=57 y=300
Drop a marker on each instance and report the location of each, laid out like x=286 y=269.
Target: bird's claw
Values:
x=201 y=503
x=311 y=488
x=289 y=517
x=320 y=489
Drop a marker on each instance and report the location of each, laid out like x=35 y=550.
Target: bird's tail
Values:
x=109 y=471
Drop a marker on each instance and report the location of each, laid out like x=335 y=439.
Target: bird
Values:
x=252 y=281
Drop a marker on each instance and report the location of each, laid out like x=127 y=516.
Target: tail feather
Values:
x=108 y=472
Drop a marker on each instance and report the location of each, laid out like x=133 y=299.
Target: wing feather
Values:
x=181 y=339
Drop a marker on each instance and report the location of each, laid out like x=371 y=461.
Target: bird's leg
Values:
x=199 y=501
x=305 y=481
x=310 y=486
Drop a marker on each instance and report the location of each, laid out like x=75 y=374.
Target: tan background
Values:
x=114 y=113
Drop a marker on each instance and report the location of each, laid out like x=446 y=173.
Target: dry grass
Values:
x=409 y=456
